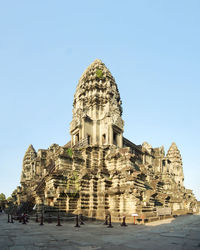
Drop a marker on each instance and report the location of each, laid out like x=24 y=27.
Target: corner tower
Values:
x=27 y=169
x=174 y=156
x=97 y=109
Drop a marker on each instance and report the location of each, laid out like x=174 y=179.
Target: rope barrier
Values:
x=78 y=219
x=52 y=217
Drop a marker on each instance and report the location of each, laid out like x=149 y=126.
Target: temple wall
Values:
x=100 y=172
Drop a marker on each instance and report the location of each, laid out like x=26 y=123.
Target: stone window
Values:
x=43 y=155
x=103 y=138
x=89 y=139
x=115 y=138
x=77 y=138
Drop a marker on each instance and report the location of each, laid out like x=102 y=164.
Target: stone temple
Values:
x=100 y=171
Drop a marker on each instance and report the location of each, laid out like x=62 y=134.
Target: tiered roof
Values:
x=174 y=154
x=97 y=86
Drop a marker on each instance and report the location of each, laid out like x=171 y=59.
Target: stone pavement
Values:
x=172 y=234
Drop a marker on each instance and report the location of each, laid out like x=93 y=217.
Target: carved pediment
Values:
x=119 y=123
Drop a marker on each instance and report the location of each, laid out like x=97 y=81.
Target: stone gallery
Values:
x=99 y=171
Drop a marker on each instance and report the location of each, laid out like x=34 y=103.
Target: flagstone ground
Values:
x=180 y=233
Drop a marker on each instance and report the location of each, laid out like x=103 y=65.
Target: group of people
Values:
x=23 y=218
x=1 y=210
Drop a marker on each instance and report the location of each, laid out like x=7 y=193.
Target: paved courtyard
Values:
x=180 y=233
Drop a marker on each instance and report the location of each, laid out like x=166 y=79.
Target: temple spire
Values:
x=174 y=156
x=97 y=107
x=27 y=170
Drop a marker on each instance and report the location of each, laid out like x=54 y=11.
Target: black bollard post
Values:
x=8 y=218
x=58 y=224
x=36 y=218
x=41 y=220
x=81 y=220
x=110 y=224
x=11 y=219
x=124 y=222
x=77 y=225
x=106 y=220
x=24 y=219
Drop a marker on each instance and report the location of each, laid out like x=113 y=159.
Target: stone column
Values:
x=81 y=130
x=120 y=140
x=110 y=135
x=94 y=130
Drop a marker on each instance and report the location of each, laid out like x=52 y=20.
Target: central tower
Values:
x=97 y=109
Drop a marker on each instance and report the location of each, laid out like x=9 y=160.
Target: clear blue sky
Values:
x=152 y=48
